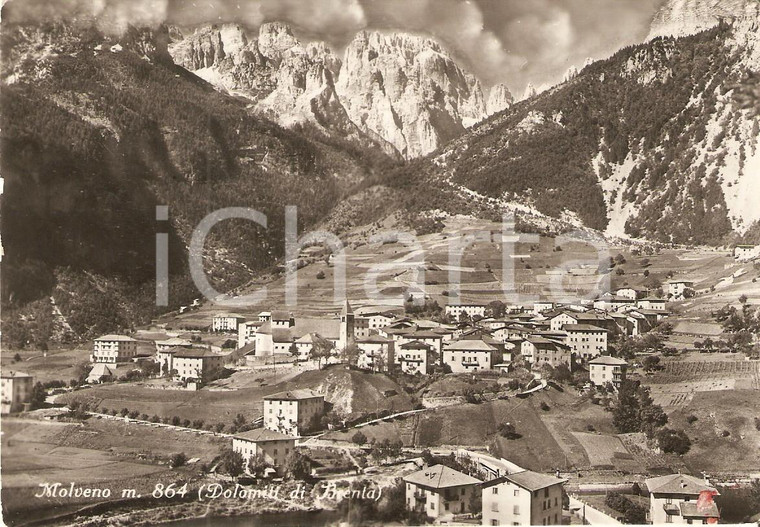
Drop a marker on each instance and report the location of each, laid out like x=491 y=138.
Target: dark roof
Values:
x=607 y=360
x=677 y=484
x=293 y=395
x=440 y=477
x=374 y=339
x=583 y=327
x=694 y=509
x=193 y=353
x=527 y=479
x=281 y=315
x=347 y=310
x=416 y=345
x=468 y=345
x=263 y=434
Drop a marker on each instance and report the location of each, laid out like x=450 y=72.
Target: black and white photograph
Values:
x=367 y=263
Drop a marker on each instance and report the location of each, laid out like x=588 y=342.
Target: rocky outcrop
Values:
x=499 y=98
x=686 y=17
x=400 y=91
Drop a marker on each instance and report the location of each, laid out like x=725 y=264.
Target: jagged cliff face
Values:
x=499 y=98
x=408 y=90
x=686 y=17
x=401 y=92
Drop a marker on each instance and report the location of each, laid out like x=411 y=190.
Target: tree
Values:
x=38 y=396
x=297 y=465
x=231 y=462
x=321 y=348
x=178 y=460
x=497 y=309
x=257 y=465
x=651 y=363
x=351 y=353
x=359 y=438
x=673 y=441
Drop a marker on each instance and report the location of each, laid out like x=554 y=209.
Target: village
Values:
x=506 y=354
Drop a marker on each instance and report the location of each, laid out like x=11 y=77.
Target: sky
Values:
x=501 y=41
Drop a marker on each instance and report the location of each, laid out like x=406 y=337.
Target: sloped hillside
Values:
x=658 y=141
x=97 y=131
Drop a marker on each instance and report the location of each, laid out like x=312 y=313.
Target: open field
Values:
x=97 y=453
x=731 y=411
x=349 y=392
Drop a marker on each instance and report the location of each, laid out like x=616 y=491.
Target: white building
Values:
x=471 y=310
x=585 y=340
x=377 y=353
x=746 y=252
x=416 y=357
x=227 y=322
x=113 y=348
x=523 y=498
x=677 y=288
x=195 y=364
x=440 y=491
x=655 y=304
x=466 y=356
x=606 y=369
x=294 y=412
x=679 y=498
x=273 y=446
x=15 y=391
x=247 y=332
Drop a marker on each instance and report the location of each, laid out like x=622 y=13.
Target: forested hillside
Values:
x=98 y=131
x=654 y=142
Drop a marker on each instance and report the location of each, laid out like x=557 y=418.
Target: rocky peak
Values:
x=686 y=17
x=408 y=90
x=499 y=98
x=530 y=91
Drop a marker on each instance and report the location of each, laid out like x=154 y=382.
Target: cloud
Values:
x=510 y=41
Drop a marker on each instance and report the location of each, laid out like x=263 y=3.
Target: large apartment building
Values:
x=113 y=348
x=440 y=491
x=523 y=498
x=293 y=412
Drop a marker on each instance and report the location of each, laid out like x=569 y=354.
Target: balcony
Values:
x=671 y=508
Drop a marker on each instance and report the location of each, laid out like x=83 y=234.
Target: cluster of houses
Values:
x=525 y=497
x=384 y=340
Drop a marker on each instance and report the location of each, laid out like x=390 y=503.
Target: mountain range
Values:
x=659 y=141
x=403 y=93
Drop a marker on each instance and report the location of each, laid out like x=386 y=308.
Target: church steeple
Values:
x=347 y=334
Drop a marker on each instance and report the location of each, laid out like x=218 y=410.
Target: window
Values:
x=668 y=500
x=495 y=490
x=432 y=505
x=494 y=522
x=555 y=518
x=516 y=510
x=546 y=492
x=668 y=518
x=495 y=506
x=517 y=492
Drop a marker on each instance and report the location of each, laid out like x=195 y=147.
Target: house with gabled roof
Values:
x=523 y=498
x=293 y=412
x=469 y=355
x=440 y=491
x=273 y=446
x=585 y=340
x=680 y=498
x=605 y=369
x=376 y=353
x=415 y=356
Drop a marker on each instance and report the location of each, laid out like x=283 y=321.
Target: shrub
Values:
x=359 y=438
x=124 y=412
x=133 y=414
x=508 y=431
x=144 y=417
x=757 y=423
x=178 y=460
x=590 y=428
x=725 y=433
x=321 y=275
x=673 y=441
x=544 y=406
x=176 y=420
x=691 y=419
